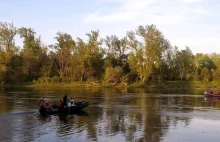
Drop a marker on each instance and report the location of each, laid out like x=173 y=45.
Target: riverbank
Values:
x=80 y=85
x=150 y=84
x=178 y=84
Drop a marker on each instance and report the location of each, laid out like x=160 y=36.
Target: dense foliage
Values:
x=142 y=55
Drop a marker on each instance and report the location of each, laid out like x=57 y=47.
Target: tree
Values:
x=205 y=74
x=155 y=46
x=137 y=64
x=30 y=53
x=216 y=70
x=171 y=66
x=64 y=49
x=116 y=52
x=113 y=75
x=7 y=47
x=203 y=61
x=94 y=56
x=46 y=62
x=185 y=62
x=136 y=57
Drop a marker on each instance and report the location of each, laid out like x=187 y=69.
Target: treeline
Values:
x=141 y=56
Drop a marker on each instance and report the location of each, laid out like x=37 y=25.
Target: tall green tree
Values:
x=93 y=58
x=155 y=45
x=136 y=57
x=7 y=47
x=64 y=48
x=203 y=62
x=215 y=71
x=171 y=60
x=185 y=63
x=205 y=74
x=116 y=53
x=30 y=53
x=87 y=58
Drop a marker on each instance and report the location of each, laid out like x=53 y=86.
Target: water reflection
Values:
x=113 y=115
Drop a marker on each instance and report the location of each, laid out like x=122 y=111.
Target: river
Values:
x=149 y=115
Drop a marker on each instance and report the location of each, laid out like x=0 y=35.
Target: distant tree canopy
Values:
x=141 y=56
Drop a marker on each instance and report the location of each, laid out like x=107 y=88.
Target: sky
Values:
x=192 y=23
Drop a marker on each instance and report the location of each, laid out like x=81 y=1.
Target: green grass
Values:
x=150 y=84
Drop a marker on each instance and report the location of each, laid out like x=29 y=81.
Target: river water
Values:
x=149 y=115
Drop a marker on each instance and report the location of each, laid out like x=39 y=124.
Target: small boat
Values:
x=211 y=95
x=63 y=110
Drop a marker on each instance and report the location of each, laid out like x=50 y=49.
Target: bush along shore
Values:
x=150 y=84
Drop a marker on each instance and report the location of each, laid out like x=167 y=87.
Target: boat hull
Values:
x=64 y=110
x=213 y=95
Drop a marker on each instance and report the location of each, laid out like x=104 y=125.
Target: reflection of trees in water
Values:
x=136 y=118
x=64 y=125
x=90 y=122
x=153 y=122
x=26 y=130
x=112 y=114
x=161 y=90
x=6 y=128
x=213 y=102
x=5 y=104
x=21 y=126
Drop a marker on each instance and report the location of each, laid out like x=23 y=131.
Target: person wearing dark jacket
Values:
x=65 y=100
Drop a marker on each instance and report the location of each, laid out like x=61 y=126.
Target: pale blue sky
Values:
x=193 y=23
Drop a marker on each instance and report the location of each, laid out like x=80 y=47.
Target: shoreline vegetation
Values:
x=142 y=58
x=165 y=85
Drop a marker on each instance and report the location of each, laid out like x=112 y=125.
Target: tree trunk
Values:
x=82 y=74
x=181 y=76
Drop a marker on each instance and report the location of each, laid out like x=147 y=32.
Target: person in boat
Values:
x=46 y=105
x=65 y=101
x=42 y=101
x=72 y=102
x=60 y=104
x=209 y=90
x=218 y=91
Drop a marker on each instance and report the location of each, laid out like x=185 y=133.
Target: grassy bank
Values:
x=177 y=84
x=191 y=84
x=150 y=84
x=78 y=84
x=167 y=84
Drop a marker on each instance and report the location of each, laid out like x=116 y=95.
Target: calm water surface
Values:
x=113 y=115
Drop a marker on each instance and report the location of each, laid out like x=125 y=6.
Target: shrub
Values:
x=113 y=75
x=55 y=79
x=131 y=77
